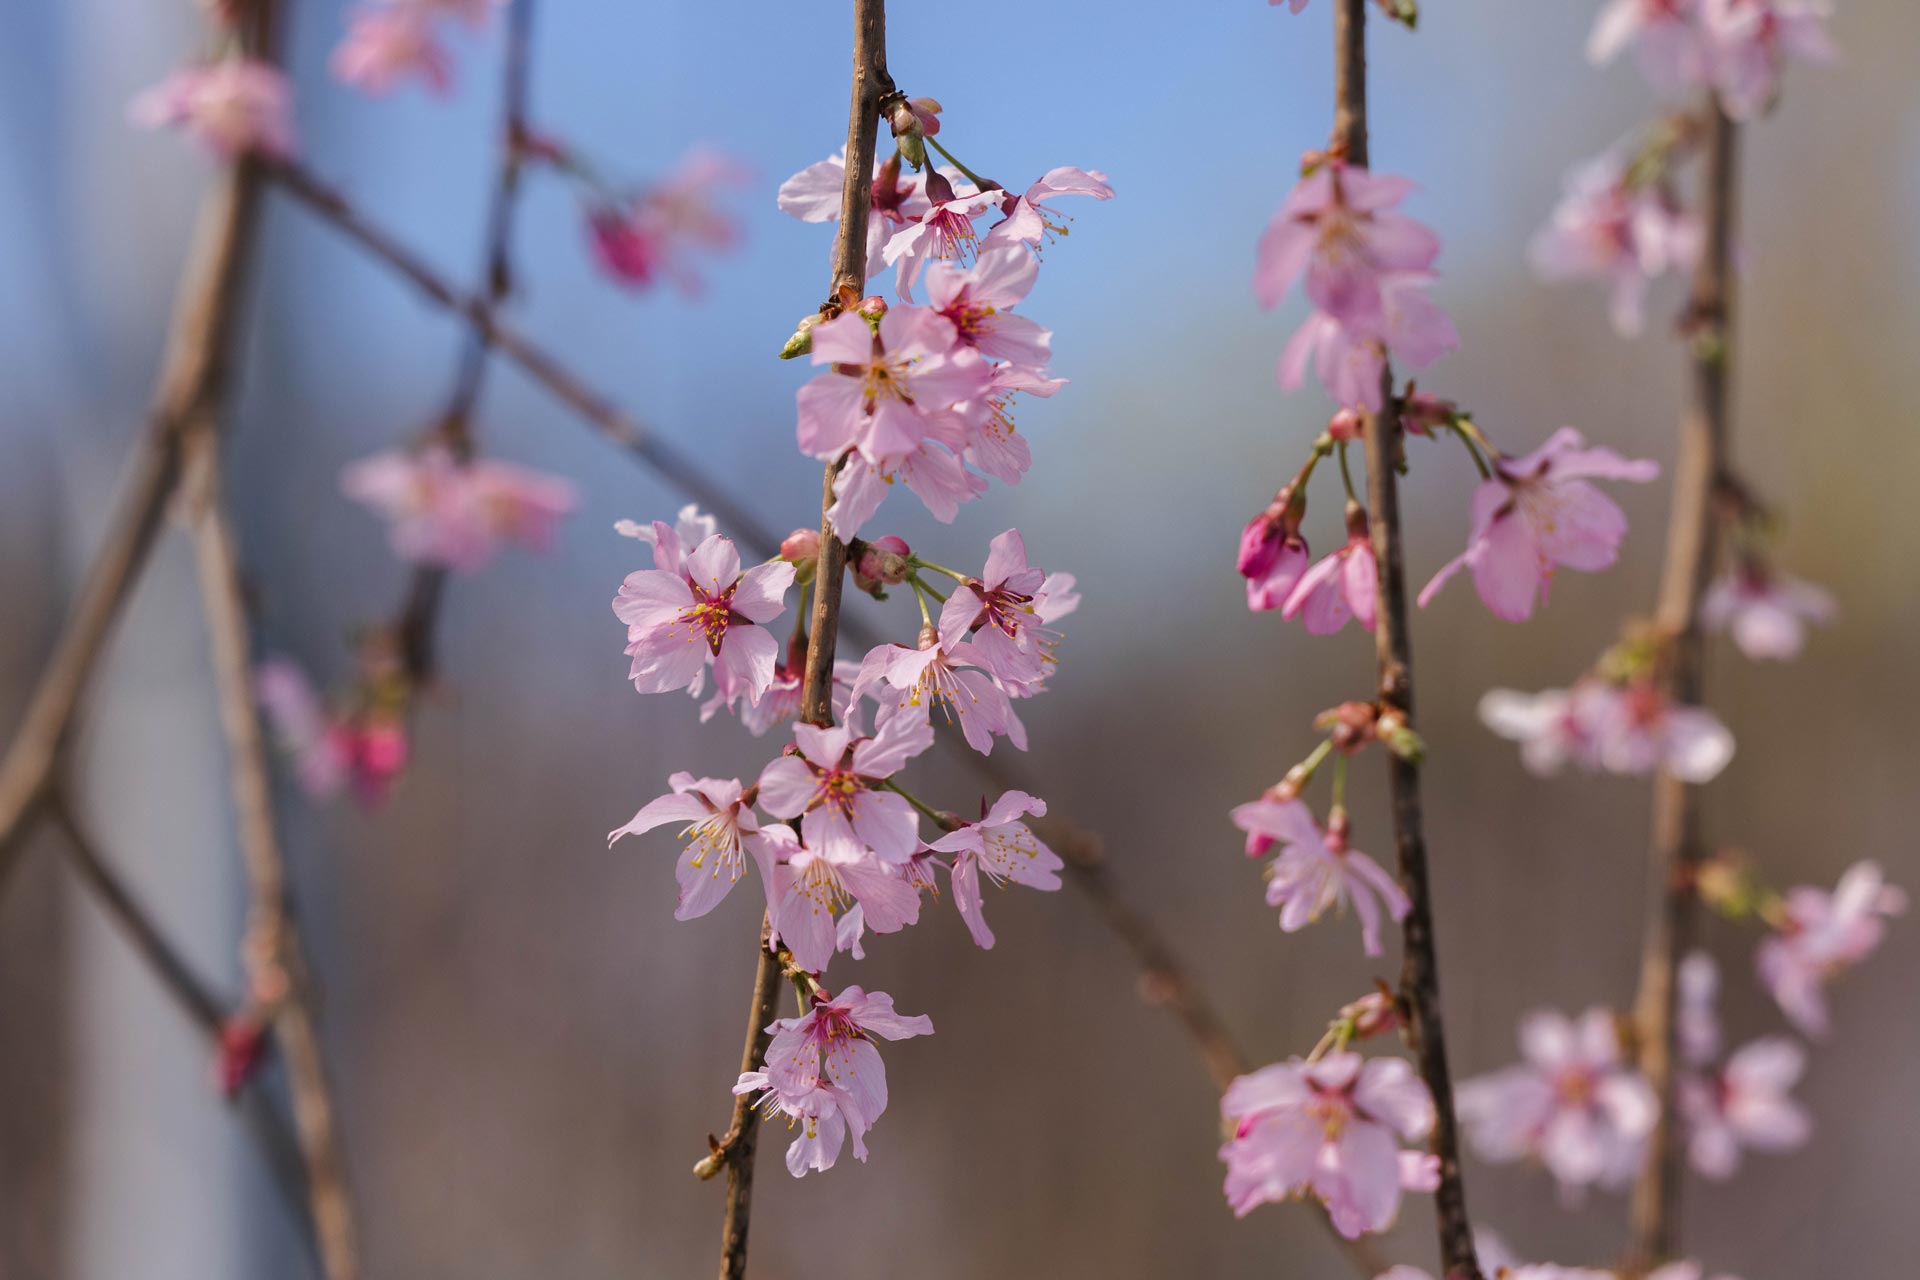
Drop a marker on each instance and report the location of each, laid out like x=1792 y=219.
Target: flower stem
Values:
x=920 y=563
x=941 y=820
x=954 y=160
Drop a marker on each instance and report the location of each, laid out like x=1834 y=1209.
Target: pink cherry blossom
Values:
x=1540 y=512
x=806 y=885
x=1598 y=725
x=993 y=443
x=1749 y=42
x=645 y=239
x=896 y=401
x=386 y=44
x=1330 y=1129
x=1745 y=1104
x=1001 y=847
x=943 y=676
x=837 y=781
x=1573 y=1104
x=1030 y=220
x=453 y=515
x=1000 y=610
x=823 y=1115
x=943 y=232
x=671 y=542
x=814 y=193
x=1821 y=935
x=1696 y=1022
x=233 y=106
x=365 y=748
x=977 y=302
x=833 y=1043
x=1350 y=356
x=1663 y=34
x=1343 y=585
x=1621 y=232
x=1338 y=228
x=1297 y=5
x=707 y=610
x=1317 y=869
x=1273 y=556
x=721 y=829
x=1767 y=613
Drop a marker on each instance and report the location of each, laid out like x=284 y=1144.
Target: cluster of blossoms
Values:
x=1737 y=48
x=358 y=743
x=450 y=514
x=233 y=106
x=910 y=392
x=391 y=41
x=646 y=235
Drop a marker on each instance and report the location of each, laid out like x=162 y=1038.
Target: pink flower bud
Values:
x=939 y=190
x=884 y=560
x=1422 y=412
x=1346 y=425
x=242 y=1048
x=801 y=546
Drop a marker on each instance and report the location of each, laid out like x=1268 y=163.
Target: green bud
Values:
x=801 y=343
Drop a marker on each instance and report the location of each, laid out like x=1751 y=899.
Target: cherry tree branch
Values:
x=1420 y=970
x=1676 y=846
x=279 y=958
x=413 y=626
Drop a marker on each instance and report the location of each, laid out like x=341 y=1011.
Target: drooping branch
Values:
x=276 y=953
x=1420 y=971
x=1676 y=845
x=413 y=626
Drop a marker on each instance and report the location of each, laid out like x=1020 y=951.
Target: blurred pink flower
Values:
x=1343 y=585
x=1349 y=356
x=1272 y=557
x=456 y=516
x=1001 y=847
x=1338 y=229
x=387 y=43
x=1821 y=935
x=1663 y=34
x=644 y=239
x=1540 y=512
x=1749 y=42
x=1608 y=229
x=705 y=611
x=1767 y=613
x=1745 y=1104
x=1598 y=725
x=1573 y=1104
x=1317 y=869
x=1330 y=1129
x=233 y=106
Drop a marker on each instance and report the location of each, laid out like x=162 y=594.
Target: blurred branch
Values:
x=1420 y=968
x=413 y=626
x=275 y=955
x=1676 y=844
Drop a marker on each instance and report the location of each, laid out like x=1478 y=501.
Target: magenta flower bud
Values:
x=800 y=546
x=1346 y=425
x=1273 y=555
x=939 y=190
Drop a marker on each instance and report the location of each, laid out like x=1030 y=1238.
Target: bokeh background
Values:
x=529 y=1049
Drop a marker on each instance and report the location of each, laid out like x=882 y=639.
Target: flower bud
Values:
x=939 y=189
x=242 y=1049
x=1346 y=425
x=884 y=561
x=1404 y=12
x=873 y=307
x=1421 y=413
x=1375 y=1013
x=801 y=343
x=801 y=545
x=1351 y=725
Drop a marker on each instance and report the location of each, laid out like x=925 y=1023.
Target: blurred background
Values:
x=529 y=1050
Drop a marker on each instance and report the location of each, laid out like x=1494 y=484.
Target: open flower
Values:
x=1749 y=42
x=1820 y=935
x=1598 y=725
x=233 y=106
x=1002 y=848
x=705 y=611
x=946 y=677
x=993 y=443
x=1622 y=232
x=642 y=239
x=720 y=830
x=977 y=301
x=834 y=1042
x=1538 y=513
x=823 y=1114
x=835 y=785
x=1350 y=356
x=943 y=232
x=1317 y=870
x=1343 y=585
x=1745 y=1104
x=1338 y=228
x=1330 y=1129
x=1573 y=1104
x=1766 y=613
x=814 y=193
x=1663 y=34
x=453 y=515
x=1030 y=220
x=998 y=609
x=388 y=43
x=808 y=887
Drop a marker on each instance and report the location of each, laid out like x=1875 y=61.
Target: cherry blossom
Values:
x=1821 y=935
x=1317 y=869
x=721 y=829
x=643 y=239
x=1618 y=230
x=386 y=44
x=1338 y=228
x=446 y=513
x=671 y=542
x=1766 y=613
x=943 y=676
x=1350 y=356
x=999 y=610
x=1749 y=42
x=1002 y=848
x=835 y=784
x=1663 y=34
x=1343 y=585
x=1330 y=1129
x=813 y=195
x=1540 y=512
x=977 y=300
x=824 y=1115
x=993 y=443
x=1599 y=725
x=943 y=231
x=1573 y=1104
x=1273 y=555
x=365 y=748
x=1297 y=6
x=835 y=1039
x=233 y=106
x=806 y=885
x=1745 y=1104
x=706 y=610
x=1029 y=220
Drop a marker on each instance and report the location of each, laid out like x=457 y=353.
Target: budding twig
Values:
x=1677 y=845
x=1420 y=974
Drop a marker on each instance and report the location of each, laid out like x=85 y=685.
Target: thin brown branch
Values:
x=413 y=626
x=1676 y=844
x=280 y=960
x=1420 y=970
